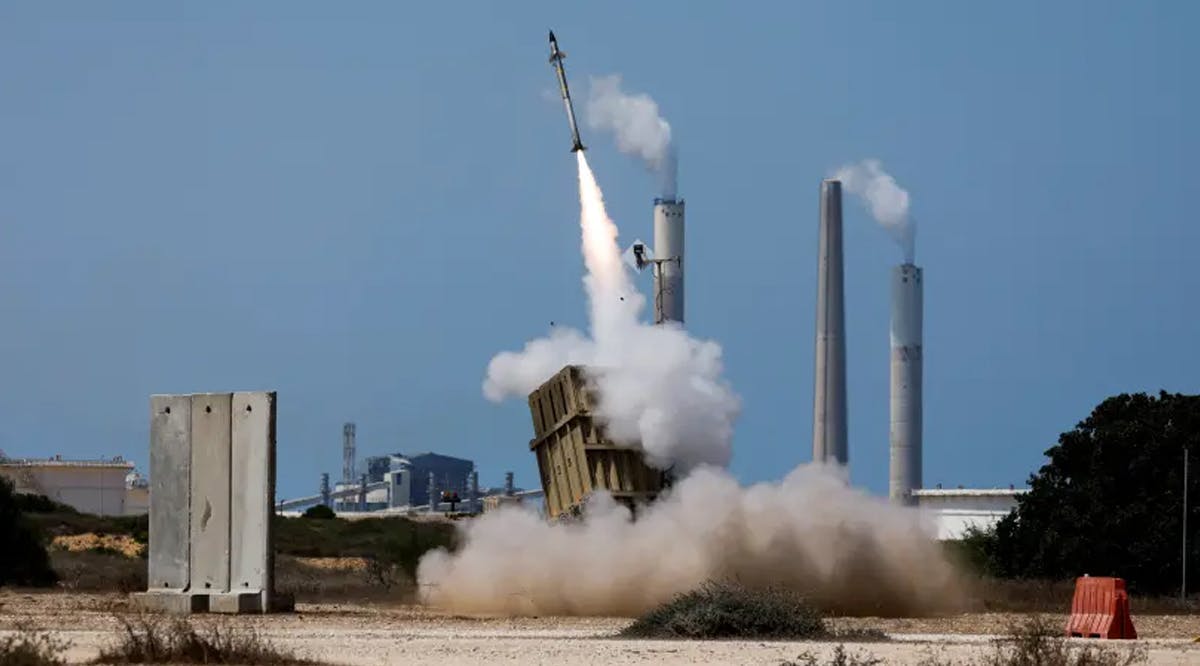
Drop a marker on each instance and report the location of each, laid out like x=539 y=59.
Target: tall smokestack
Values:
x=668 y=251
x=348 y=453
x=829 y=396
x=907 y=313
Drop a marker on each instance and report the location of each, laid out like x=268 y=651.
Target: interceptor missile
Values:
x=556 y=57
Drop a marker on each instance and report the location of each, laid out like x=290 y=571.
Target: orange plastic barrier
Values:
x=1100 y=609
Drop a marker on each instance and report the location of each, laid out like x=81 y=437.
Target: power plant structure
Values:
x=348 y=453
x=906 y=341
x=829 y=394
x=668 y=264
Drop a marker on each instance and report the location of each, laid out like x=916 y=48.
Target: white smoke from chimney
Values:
x=887 y=201
x=639 y=129
x=658 y=387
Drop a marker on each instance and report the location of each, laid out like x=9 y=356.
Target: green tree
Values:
x=23 y=558
x=320 y=511
x=1109 y=501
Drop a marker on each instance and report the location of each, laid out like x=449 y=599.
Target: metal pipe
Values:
x=906 y=386
x=829 y=396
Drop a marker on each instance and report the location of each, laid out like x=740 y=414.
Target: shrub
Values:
x=1036 y=641
x=149 y=639
x=28 y=647
x=319 y=511
x=23 y=558
x=728 y=610
x=840 y=658
x=29 y=503
x=97 y=571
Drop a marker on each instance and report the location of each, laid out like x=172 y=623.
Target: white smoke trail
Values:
x=635 y=121
x=887 y=201
x=811 y=533
x=658 y=388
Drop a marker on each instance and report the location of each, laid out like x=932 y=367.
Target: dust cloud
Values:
x=812 y=533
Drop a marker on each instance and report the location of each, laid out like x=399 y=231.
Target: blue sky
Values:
x=357 y=205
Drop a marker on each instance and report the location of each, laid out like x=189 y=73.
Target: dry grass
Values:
x=1042 y=596
x=312 y=579
x=1035 y=641
x=98 y=571
x=115 y=543
x=153 y=639
x=840 y=657
x=30 y=647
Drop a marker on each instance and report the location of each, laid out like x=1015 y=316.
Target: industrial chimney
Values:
x=348 y=453
x=906 y=339
x=829 y=395
x=668 y=250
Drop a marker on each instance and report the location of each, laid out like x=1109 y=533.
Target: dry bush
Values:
x=152 y=639
x=308 y=581
x=728 y=610
x=30 y=647
x=98 y=571
x=1036 y=641
x=840 y=657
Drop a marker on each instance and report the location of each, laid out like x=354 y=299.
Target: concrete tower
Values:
x=348 y=453
x=906 y=338
x=829 y=394
x=668 y=253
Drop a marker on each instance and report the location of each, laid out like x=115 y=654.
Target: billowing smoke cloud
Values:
x=887 y=201
x=811 y=533
x=635 y=122
x=658 y=388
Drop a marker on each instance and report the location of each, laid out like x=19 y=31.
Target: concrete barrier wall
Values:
x=252 y=493
x=170 y=486
x=212 y=475
x=210 y=492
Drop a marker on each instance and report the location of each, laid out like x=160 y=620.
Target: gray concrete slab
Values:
x=170 y=491
x=236 y=602
x=171 y=602
x=252 y=494
x=210 y=492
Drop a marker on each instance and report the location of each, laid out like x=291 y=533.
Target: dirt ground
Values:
x=405 y=634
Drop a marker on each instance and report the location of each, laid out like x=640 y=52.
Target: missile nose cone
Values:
x=552 y=37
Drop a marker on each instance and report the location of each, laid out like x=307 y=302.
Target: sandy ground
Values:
x=357 y=634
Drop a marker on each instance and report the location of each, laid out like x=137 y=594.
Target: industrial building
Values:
x=397 y=480
x=954 y=510
x=90 y=486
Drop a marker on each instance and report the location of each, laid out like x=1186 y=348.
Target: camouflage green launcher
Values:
x=574 y=457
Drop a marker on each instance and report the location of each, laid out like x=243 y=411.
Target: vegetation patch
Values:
x=23 y=557
x=1037 y=641
x=98 y=570
x=29 y=647
x=729 y=610
x=121 y=544
x=394 y=541
x=151 y=639
x=840 y=657
x=319 y=512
